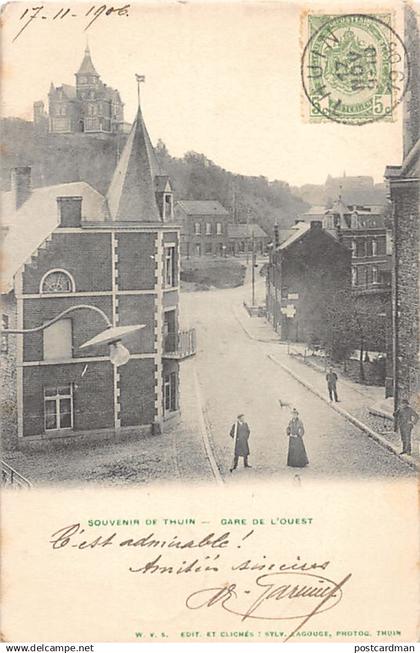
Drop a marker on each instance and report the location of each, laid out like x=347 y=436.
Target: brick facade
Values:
x=127 y=294
x=309 y=267
x=404 y=180
x=405 y=198
x=8 y=374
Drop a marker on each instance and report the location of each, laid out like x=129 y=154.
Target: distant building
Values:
x=404 y=183
x=242 y=238
x=357 y=189
x=306 y=264
x=68 y=246
x=204 y=227
x=363 y=230
x=90 y=106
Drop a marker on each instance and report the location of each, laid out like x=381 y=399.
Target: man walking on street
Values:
x=332 y=384
x=405 y=418
x=240 y=434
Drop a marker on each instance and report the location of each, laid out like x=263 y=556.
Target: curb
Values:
x=250 y=335
x=204 y=428
x=409 y=460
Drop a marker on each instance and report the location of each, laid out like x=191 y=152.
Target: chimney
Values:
x=69 y=211
x=316 y=224
x=20 y=182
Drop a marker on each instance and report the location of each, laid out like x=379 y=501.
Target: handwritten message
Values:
x=257 y=588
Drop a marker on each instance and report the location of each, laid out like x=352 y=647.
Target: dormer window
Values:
x=168 y=205
x=57 y=281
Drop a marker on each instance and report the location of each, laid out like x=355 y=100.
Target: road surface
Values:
x=235 y=375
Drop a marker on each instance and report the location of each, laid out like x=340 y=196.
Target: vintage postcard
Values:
x=210 y=318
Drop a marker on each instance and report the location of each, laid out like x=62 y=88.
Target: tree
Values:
x=351 y=323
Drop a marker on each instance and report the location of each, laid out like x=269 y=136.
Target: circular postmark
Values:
x=355 y=68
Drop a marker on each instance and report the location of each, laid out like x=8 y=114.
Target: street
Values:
x=235 y=375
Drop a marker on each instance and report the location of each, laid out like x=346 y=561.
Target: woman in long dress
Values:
x=297 y=454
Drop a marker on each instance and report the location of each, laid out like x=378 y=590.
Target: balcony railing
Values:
x=11 y=478
x=180 y=345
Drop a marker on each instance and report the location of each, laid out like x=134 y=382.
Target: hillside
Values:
x=72 y=157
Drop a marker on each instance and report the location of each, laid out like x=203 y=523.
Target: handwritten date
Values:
x=43 y=12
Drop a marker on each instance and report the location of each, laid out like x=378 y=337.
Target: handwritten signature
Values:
x=43 y=12
x=303 y=596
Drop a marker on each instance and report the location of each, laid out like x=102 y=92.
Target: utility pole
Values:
x=253 y=269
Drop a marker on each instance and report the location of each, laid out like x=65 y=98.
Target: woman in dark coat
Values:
x=240 y=434
x=297 y=454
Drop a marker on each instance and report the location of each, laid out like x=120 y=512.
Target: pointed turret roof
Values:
x=131 y=194
x=87 y=67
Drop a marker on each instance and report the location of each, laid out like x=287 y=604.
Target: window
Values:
x=219 y=228
x=4 y=336
x=360 y=247
x=170 y=392
x=374 y=247
x=58 y=340
x=209 y=248
x=354 y=277
x=197 y=228
x=57 y=281
x=167 y=206
x=369 y=248
x=58 y=407
x=361 y=276
x=170 y=277
x=208 y=228
x=374 y=274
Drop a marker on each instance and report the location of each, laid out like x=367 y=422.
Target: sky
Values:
x=222 y=79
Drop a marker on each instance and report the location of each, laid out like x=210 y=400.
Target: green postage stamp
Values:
x=354 y=67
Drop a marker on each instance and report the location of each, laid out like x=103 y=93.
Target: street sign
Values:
x=293 y=295
x=289 y=311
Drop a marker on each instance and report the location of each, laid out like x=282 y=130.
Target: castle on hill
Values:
x=89 y=107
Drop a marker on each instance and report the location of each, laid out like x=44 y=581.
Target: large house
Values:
x=363 y=231
x=90 y=106
x=106 y=262
x=204 y=227
x=306 y=264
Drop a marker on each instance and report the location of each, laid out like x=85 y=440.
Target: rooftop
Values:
x=28 y=227
x=87 y=67
x=202 y=207
x=245 y=231
x=131 y=194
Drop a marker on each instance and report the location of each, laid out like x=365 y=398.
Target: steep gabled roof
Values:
x=131 y=194
x=87 y=67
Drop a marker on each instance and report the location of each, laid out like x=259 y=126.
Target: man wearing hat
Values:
x=406 y=418
x=240 y=434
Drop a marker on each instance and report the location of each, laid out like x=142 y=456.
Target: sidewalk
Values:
x=355 y=400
